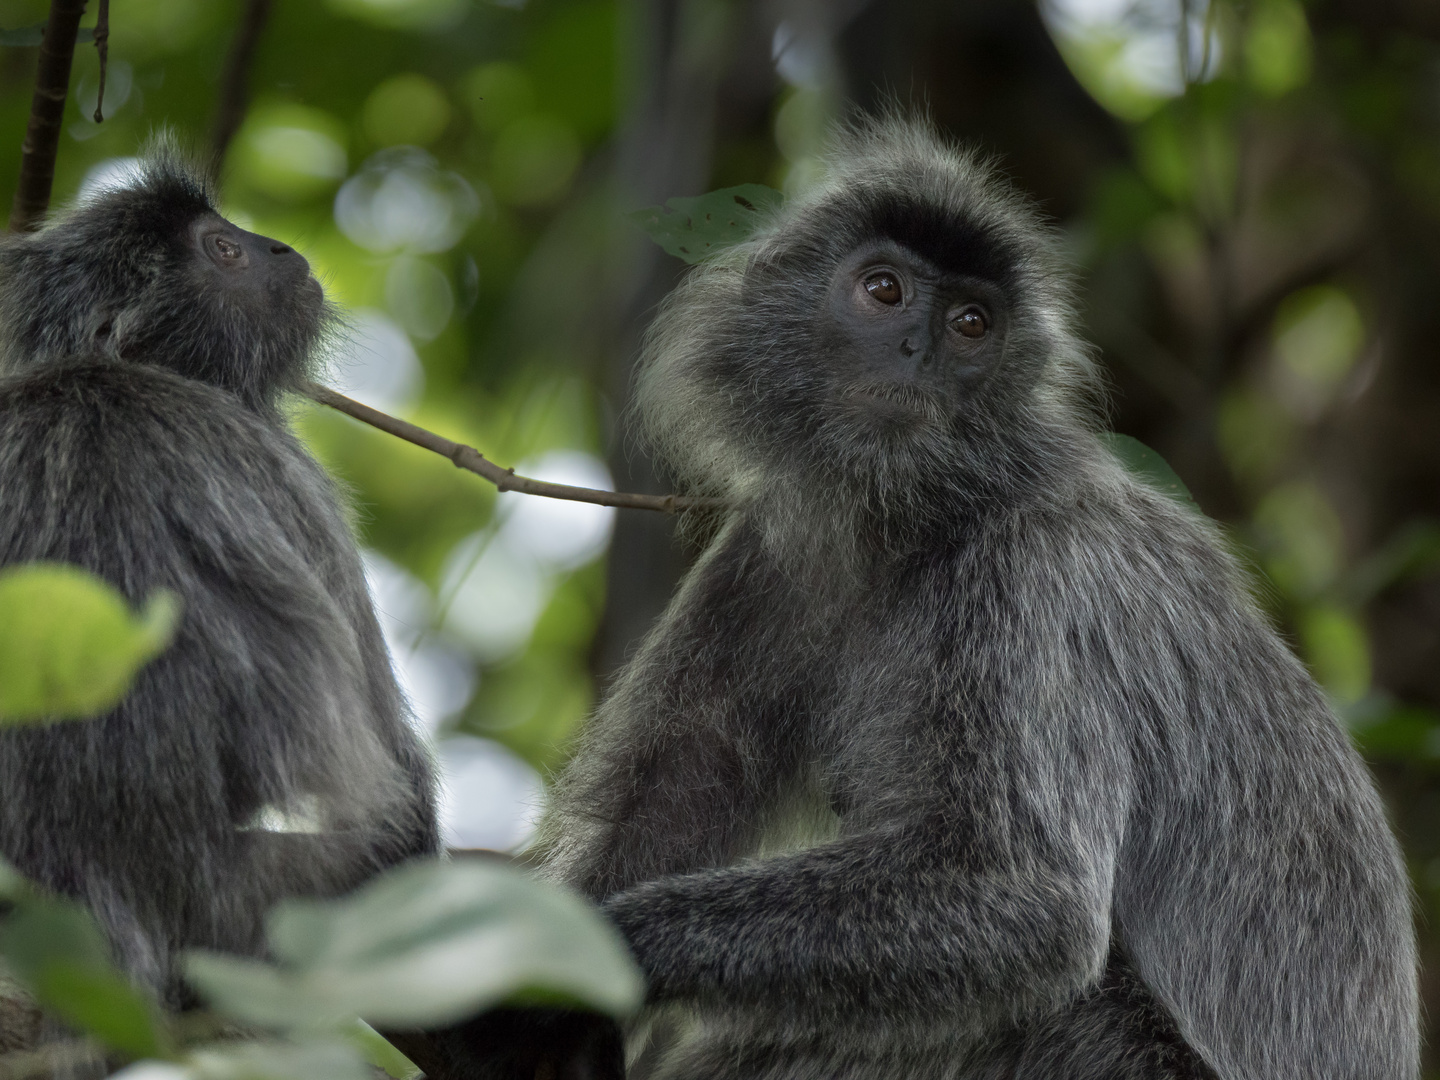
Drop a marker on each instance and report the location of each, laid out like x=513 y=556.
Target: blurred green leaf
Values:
x=533 y=160
x=1301 y=537
x=381 y=1053
x=408 y=109
x=1319 y=334
x=1277 y=46
x=55 y=948
x=44 y=931
x=426 y=944
x=1412 y=552
x=572 y=61
x=1147 y=465
x=290 y=152
x=1338 y=651
x=69 y=644
x=1399 y=733
x=403 y=14
x=104 y=1005
x=696 y=228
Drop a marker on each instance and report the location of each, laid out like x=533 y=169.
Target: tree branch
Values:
x=235 y=83
x=47 y=111
x=102 y=46
x=467 y=457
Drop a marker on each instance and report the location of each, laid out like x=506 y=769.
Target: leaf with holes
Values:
x=696 y=228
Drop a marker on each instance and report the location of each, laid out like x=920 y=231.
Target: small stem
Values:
x=102 y=46
x=470 y=459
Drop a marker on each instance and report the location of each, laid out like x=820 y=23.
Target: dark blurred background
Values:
x=1250 y=190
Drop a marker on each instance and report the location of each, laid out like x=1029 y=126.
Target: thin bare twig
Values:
x=235 y=82
x=467 y=457
x=47 y=111
x=102 y=46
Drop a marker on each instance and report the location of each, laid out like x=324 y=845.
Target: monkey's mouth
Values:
x=893 y=401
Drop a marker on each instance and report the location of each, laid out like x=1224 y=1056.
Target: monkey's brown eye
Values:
x=971 y=322
x=885 y=288
x=226 y=248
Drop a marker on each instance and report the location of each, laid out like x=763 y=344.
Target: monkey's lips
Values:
x=893 y=402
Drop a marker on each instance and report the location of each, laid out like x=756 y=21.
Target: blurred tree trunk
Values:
x=685 y=50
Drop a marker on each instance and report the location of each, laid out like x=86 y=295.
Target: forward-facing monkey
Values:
x=145 y=342
x=961 y=753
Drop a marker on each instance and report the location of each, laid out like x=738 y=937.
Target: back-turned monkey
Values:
x=961 y=753
x=145 y=343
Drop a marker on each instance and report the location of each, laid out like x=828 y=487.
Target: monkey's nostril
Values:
x=907 y=348
x=279 y=249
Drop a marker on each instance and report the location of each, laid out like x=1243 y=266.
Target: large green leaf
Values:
x=696 y=228
x=429 y=943
x=69 y=644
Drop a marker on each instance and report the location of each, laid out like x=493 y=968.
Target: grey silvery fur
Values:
x=962 y=753
x=141 y=439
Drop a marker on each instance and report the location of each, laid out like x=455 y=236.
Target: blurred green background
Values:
x=1250 y=189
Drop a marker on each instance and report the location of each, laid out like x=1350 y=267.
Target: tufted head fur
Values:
x=118 y=276
x=739 y=398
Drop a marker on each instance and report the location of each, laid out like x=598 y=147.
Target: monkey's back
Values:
x=1259 y=891
x=275 y=702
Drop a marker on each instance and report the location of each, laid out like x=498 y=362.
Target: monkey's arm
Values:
x=893 y=919
x=695 y=735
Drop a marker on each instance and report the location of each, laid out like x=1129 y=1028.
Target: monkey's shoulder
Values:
x=156 y=462
x=101 y=416
x=1118 y=534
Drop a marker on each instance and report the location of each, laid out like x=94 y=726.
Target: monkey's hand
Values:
x=533 y=1043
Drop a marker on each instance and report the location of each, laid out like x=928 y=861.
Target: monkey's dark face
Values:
x=906 y=339
x=253 y=271
x=152 y=274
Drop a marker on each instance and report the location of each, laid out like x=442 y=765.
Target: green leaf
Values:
x=382 y=1053
x=1147 y=465
x=103 y=1004
x=427 y=944
x=69 y=644
x=55 y=947
x=696 y=228
x=44 y=932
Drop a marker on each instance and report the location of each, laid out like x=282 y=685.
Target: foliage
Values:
x=69 y=644
x=423 y=945
x=694 y=229
x=1148 y=466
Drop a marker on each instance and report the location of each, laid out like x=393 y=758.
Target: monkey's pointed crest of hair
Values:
x=732 y=383
x=111 y=277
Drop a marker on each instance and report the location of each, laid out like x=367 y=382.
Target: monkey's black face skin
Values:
x=254 y=271
x=152 y=274
x=906 y=340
